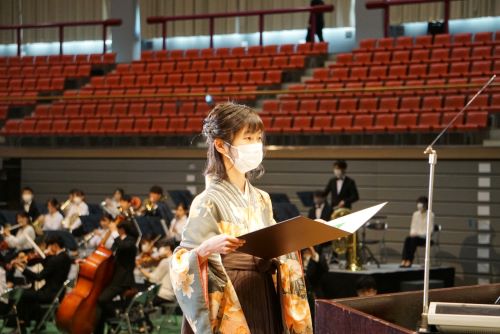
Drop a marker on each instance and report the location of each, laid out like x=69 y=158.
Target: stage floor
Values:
x=341 y=283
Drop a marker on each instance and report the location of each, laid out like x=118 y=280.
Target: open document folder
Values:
x=301 y=232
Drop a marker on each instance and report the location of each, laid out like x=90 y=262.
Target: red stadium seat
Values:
x=475 y=120
x=404 y=42
x=410 y=104
x=75 y=127
x=363 y=58
x=358 y=73
x=341 y=123
x=378 y=72
x=404 y=122
x=321 y=122
x=381 y=57
x=440 y=54
x=347 y=105
x=383 y=122
x=460 y=54
x=397 y=71
x=159 y=125
x=417 y=71
x=177 y=124
x=388 y=104
x=367 y=105
x=327 y=106
x=254 y=50
x=287 y=49
x=419 y=56
x=482 y=67
x=142 y=126
x=428 y=122
x=273 y=77
x=438 y=70
x=271 y=106
x=206 y=53
x=247 y=63
x=193 y=125
x=442 y=40
x=462 y=39
x=289 y=106
x=424 y=41
x=448 y=116
x=482 y=52
x=344 y=58
x=300 y=124
x=297 y=62
x=270 y=50
x=459 y=68
x=125 y=126
x=362 y=123
x=281 y=122
x=368 y=43
x=304 y=48
x=339 y=73
x=401 y=57
x=483 y=38
x=432 y=103
x=308 y=107
x=454 y=102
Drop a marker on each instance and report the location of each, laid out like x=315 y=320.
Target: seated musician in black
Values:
x=125 y=251
x=159 y=207
x=55 y=271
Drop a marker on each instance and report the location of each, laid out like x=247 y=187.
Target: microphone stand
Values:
x=424 y=325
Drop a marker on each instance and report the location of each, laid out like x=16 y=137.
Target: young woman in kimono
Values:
x=219 y=289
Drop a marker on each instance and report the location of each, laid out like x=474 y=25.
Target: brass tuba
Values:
x=347 y=245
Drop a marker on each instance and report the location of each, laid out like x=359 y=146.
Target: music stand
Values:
x=424 y=325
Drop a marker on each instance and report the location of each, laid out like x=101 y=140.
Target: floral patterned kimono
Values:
x=212 y=295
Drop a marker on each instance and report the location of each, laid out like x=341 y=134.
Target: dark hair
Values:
x=27 y=189
x=119 y=190
x=78 y=192
x=54 y=202
x=126 y=198
x=223 y=122
x=366 y=283
x=54 y=239
x=319 y=193
x=156 y=190
x=129 y=228
x=340 y=164
x=106 y=216
x=22 y=214
x=183 y=205
x=72 y=191
x=424 y=200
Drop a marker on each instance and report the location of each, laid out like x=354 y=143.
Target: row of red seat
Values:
x=38 y=84
x=429 y=41
x=70 y=71
x=3 y=112
x=237 y=52
x=280 y=62
x=119 y=109
x=407 y=122
x=417 y=56
x=108 y=58
x=26 y=97
x=188 y=79
x=414 y=71
x=382 y=105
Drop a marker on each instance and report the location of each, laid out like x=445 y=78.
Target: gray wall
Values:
x=467 y=203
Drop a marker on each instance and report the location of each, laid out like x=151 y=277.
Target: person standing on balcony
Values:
x=320 y=22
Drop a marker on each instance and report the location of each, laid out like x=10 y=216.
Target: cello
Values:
x=77 y=312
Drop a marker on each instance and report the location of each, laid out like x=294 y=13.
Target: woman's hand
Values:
x=219 y=244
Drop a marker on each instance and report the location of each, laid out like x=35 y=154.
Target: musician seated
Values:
x=28 y=204
x=112 y=204
x=56 y=266
x=98 y=234
x=161 y=274
x=321 y=210
x=25 y=230
x=125 y=250
x=157 y=207
x=366 y=286
x=418 y=232
x=77 y=208
x=178 y=223
x=52 y=221
x=315 y=267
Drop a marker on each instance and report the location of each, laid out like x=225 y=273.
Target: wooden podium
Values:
x=394 y=313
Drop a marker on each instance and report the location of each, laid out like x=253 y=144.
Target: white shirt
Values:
x=319 y=210
x=418 y=225
x=52 y=221
x=161 y=275
x=176 y=227
x=3 y=285
x=81 y=209
x=27 y=206
x=97 y=238
x=340 y=183
x=20 y=241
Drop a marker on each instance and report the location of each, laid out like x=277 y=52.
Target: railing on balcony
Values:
x=163 y=20
x=386 y=5
x=60 y=26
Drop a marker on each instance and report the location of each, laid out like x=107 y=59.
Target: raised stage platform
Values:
x=341 y=283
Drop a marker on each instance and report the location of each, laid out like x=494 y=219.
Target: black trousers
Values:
x=319 y=33
x=106 y=307
x=29 y=306
x=410 y=246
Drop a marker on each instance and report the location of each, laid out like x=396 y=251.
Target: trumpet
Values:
x=65 y=205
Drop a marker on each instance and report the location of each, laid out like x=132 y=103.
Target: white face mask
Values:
x=246 y=157
x=27 y=198
x=77 y=200
x=420 y=207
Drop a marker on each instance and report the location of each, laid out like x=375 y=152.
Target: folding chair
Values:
x=133 y=317
x=14 y=295
x=49 y=309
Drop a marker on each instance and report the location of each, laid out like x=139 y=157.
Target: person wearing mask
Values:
x=112 y=204
x=178 y=223
x=320 y=22
x=55 y=271
x=418 y=232
x=342 y=187
x=105 y=222
x=28 y=204
x=52 y=221
x=20 y=241
x=78 y=208
x=124 y=250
